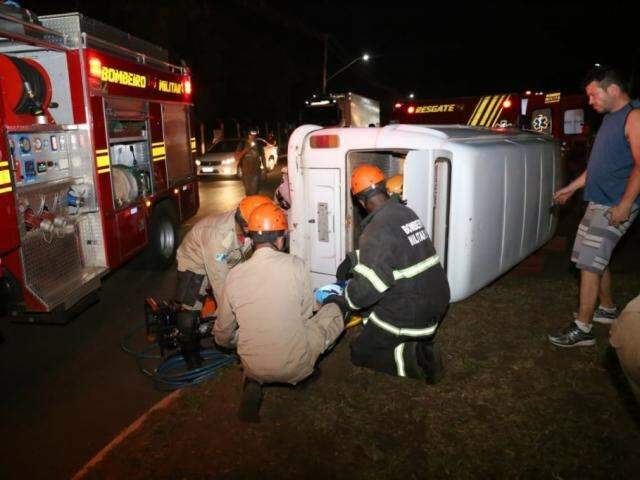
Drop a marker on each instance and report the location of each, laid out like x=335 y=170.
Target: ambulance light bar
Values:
x=324 y=141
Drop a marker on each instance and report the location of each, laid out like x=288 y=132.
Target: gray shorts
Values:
x=596 y=239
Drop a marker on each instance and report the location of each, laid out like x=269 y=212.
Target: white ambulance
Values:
x=484 y=196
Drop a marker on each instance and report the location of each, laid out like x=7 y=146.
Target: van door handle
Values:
x=313 y=220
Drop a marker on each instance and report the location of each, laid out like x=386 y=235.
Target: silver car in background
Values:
x=220 y=160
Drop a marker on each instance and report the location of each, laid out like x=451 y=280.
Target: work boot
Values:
x=250 y=403
x=430 y=359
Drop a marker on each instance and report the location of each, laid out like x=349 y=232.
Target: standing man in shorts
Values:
x=611 y=186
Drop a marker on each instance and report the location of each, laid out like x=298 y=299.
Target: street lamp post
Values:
x=365 y=58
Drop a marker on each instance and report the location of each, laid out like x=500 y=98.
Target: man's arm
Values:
x=225 y=328
x=240 y=152
x=620 y=213
x=564 y=194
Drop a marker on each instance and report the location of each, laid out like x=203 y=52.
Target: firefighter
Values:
x=398 y=284
x=395 y=186
x=212 y=247
x=251 y=160
x=266 y=313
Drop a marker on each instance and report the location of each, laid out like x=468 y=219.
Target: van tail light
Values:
x=324 y=141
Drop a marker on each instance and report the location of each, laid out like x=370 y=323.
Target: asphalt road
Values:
x=68 y=390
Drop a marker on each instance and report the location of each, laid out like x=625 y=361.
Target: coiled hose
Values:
x=172 y=373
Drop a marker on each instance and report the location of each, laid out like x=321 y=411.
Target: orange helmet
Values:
x=249 y=204
x=268 y=218
x=365 y=177
x=394 y=185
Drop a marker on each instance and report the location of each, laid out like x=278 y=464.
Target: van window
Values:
x=573 y=121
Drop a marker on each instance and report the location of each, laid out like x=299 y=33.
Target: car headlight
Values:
x=228 y=161
x=198 y=162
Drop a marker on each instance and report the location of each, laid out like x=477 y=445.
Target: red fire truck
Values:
x=95 y=159
x=562 y=116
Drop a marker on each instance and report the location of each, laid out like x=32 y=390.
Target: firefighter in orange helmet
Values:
x=210 y=249
x=266 y=313
x=397 y=285
x=395 y=185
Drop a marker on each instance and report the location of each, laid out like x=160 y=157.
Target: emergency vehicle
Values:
x=484 y=196
x=341 y=110
x=562 y=116
x=95 y=158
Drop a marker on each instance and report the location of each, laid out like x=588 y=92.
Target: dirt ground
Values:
x=510 y=406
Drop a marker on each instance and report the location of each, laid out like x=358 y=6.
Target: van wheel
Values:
x=163 y=236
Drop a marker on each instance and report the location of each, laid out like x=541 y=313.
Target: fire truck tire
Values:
x=163 y=239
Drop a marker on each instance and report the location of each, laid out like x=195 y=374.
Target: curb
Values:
x=164 y=403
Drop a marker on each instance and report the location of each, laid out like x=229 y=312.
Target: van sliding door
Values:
x=427 y=178
x=323 y=209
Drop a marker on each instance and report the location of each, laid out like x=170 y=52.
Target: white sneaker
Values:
x=606 y=317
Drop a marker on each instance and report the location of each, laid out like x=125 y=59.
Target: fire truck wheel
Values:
x=163 y=241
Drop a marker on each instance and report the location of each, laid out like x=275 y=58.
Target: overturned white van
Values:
x=485 y=196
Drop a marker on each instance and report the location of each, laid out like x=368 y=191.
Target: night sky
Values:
x=258 y=60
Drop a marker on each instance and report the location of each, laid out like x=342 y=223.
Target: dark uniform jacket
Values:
x=398 y=276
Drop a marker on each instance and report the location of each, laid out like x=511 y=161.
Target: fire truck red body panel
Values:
x=95 y=156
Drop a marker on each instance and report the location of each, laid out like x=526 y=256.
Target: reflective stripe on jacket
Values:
x=398 y=276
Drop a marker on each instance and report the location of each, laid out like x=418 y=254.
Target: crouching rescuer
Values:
x=398 y=285
x=213 y=246
x=266 y=313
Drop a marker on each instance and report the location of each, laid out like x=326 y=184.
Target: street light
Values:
x=365 y=58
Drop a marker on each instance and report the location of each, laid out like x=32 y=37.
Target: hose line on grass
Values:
x=172 y=373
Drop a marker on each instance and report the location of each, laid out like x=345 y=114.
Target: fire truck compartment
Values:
x=485 y=197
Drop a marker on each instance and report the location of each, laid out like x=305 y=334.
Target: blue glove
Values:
x=332 y=289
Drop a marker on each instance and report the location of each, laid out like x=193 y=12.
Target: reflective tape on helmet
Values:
x=416 y=269
x=398 y=353
x=372 y=276
x=400 y=332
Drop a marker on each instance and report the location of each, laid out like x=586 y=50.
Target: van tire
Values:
x=163 y=236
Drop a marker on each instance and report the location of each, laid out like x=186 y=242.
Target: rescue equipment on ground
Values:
x=163 y=331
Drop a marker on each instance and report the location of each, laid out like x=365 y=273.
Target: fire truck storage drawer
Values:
x=133 y=231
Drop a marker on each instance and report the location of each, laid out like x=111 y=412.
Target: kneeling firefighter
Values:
x=210 y=249
x=266 y=313
x=398 y=283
